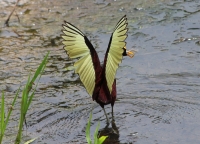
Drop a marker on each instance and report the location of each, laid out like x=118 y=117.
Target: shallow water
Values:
x=158 y=99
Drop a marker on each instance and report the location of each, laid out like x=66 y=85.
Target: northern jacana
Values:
x=98 y=80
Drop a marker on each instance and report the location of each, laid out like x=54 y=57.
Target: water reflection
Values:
x=112 y=133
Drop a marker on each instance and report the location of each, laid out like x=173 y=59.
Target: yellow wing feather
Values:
x=76 y=47
x=115 y=52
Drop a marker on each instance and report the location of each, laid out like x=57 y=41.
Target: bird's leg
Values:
x=114 y=127
x=106 y=115
x=112 y=111
x=113 y=120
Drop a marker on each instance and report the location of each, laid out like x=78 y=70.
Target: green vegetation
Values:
x=26 y=99
x=96 y=139
x=27 y=96
x=4 y=122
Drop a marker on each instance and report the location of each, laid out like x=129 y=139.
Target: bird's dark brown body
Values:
x=101 y=92
x=104 y=97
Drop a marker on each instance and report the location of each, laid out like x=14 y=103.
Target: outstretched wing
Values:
x=78 y=46
x=115 y=51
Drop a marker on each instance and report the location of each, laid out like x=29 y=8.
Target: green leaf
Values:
x=30 y=141
x=2 y=116
x=96 y=134
x=4 y=123
x=11 y=108
x=88 y=130
x=96 y=139
x=40 y=69
x=102 y=139
x=27 y=97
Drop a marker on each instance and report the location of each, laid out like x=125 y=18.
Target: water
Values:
x=157 y=90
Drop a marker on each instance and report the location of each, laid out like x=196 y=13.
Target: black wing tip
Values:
x=124 y=17
x=63 y=30
x=63 y=34
x=65 y=24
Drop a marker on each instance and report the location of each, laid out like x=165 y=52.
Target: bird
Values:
x=99 y=80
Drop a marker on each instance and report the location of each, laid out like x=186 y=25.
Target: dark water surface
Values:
x=158 y=98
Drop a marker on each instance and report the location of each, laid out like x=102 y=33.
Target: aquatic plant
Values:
x=4 y=119
x=27 y=96
x=96 y=139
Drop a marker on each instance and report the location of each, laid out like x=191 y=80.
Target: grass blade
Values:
x=11 y=109
x=40 y=69
x=2 y=118
x=88 y=130
x=102 y=139
x=30 y=141
x=26 y=98
x=4 y=123
x=96 y=139
x=96 y=134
